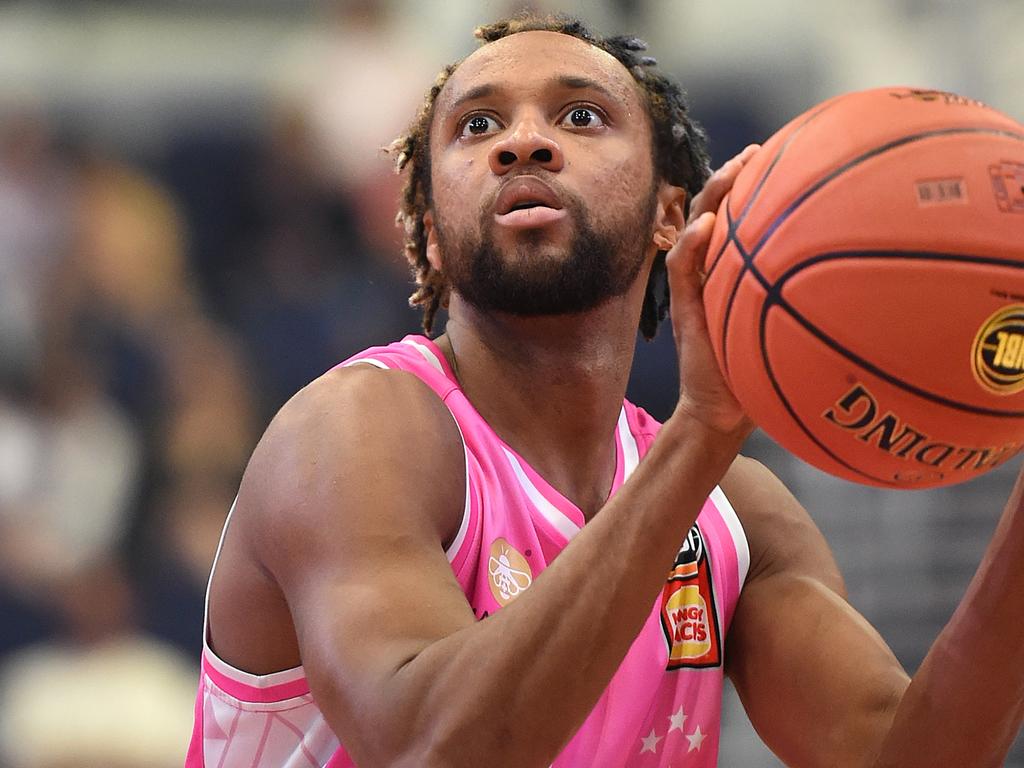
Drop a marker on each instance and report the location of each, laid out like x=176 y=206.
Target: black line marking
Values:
x=879 y=150
x=732 y=296
x=760 y=185
x=775 y=298
x=748 y=265
x=762 y=338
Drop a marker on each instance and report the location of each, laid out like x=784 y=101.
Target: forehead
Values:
x=538 y=57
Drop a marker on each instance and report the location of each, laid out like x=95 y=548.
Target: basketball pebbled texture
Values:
x=865 y=287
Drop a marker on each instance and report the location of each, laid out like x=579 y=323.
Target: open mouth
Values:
x=524 y=193
x=527 y=201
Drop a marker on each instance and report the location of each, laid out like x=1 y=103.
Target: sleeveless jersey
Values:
x=662 y=707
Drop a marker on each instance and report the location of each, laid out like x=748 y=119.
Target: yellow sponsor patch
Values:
x=997 y=355
x=688 y=616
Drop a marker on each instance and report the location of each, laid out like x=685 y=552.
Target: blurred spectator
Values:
x=357 y=79
x=70 y=456
x=102 y=697
x=309 y=290
x=72 y=463
x=180 y=541
x=209 y=427
x=183 y=376
x=34 y=222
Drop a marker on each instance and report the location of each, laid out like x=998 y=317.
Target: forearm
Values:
x=965 y=704
x=488 y=690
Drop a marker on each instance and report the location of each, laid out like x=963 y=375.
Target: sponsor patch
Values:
x=510 y=573
x=689 y=619
x=998 y=352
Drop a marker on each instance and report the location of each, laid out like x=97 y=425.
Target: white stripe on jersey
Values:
x=739 y=538
x=553 y=514
x=630 y=452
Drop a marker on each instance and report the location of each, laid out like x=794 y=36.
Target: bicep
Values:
x=356 y=499
x=817 y=681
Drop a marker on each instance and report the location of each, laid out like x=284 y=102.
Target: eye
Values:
x=478 y=125
x=583 y=117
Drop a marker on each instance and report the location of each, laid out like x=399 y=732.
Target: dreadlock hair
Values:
x=678 y=148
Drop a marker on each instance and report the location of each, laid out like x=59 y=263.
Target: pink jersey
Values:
x=662 y=707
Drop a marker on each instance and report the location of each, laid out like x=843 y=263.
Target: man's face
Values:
x=543 y=188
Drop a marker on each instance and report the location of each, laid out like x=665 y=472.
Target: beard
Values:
x=537 y=278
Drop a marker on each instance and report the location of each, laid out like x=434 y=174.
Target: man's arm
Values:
x=359 y=481
x=820 y=685
x=348 y=513
x=965 y=704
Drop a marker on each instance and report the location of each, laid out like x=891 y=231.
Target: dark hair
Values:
x=678 y=149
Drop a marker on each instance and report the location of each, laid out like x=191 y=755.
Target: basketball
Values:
x=865 y=287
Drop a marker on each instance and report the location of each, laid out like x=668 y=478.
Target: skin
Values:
x=334 y=525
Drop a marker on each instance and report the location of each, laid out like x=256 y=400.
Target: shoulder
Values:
x=780 y=533
x=352 y=442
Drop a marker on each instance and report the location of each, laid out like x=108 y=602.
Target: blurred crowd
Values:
x=156 y=309
x=154 y=314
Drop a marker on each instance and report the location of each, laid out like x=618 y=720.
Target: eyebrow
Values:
x=575 y=82
x=474 y=93
x=570 y=82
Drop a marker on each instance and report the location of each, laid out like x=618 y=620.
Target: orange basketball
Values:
x=865 y=287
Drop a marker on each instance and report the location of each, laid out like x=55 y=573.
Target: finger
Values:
x=685 y=262
x=721 y=181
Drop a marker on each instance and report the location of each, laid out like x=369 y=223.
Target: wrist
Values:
x=728 y=428
x=724 y=440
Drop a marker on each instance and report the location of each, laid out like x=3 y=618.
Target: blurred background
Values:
x=196 y=219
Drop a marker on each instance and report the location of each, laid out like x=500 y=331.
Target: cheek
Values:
x=624 y=184
x=451 y=190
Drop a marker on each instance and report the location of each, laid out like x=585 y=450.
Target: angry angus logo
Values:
x=688 y=615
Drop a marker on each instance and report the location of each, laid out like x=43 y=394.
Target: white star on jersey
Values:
x=696 y=739
x=651 y=743
x=677 y=720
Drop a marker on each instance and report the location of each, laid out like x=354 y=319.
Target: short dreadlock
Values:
x=678 y=148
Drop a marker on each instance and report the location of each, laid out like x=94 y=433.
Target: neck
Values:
x=550 y=387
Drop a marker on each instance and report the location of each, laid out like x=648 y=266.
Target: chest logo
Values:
x=689 y=618
x=510 y=573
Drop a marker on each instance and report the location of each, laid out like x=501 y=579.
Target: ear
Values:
x=669 y=216
x=433 y=249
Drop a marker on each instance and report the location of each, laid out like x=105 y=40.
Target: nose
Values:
x=528 y=143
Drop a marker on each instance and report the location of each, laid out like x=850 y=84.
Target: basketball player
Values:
x=472 y=552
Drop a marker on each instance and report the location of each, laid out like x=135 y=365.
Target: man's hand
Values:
x=703 y=392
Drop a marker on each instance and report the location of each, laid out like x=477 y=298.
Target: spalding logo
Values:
x=998 y=351
x=858 y=413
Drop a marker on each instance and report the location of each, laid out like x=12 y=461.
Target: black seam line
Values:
x=782 y=217
x=896 y=253
x=732 y=294
x=775 y=298
x=762 y=339
x=760 y=185
x=733 y=235
x=782 y=150
x=747 y=266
